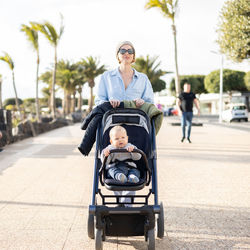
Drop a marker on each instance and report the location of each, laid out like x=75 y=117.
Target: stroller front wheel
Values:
x=91 y=226
x=151 y=239
x=160 y=223
x=98 y=240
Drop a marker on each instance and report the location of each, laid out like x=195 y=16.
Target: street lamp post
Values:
x=221 y=90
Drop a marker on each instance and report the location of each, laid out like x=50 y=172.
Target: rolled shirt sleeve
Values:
x=102 y=95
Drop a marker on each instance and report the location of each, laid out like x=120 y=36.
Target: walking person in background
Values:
x=185 y=109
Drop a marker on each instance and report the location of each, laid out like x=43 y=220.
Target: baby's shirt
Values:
x=121 y=156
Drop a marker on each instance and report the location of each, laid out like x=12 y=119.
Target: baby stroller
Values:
x=108 y=216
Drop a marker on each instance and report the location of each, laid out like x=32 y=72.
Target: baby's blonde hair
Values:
x=115 y=129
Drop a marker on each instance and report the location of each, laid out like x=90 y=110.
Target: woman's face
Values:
x=126 y=58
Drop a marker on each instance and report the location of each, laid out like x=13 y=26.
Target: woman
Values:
x=124 y=82
x=121 y=84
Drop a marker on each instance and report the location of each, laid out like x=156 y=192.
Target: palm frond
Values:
x=51 y=33
x=6 y=58
x=152 y=3
x=32 y=35
x=166 y=7
x=61 y=26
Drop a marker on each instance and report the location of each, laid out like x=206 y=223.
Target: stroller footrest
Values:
x=115 y=185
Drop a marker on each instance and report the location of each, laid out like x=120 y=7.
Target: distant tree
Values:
x=12 y=101
x=232 y=81
x=29 y=105
x=247 y=80
x=196 y=82
x=234 y=30
x=80 y=80
x=168 y=8
x=7 y=59
x=32 y=36
x=85 y=102
x=46 y=77
x=48 y=30
x=149 y=67
x=91 y=70
x=29 y=100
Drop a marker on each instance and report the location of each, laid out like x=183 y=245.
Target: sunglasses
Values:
x=123 y=51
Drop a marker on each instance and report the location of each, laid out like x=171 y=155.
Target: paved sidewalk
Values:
x=46 y=188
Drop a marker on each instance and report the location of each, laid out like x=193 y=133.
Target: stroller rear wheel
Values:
x=98 y=240
x=160 y=223
x=91 y=226
x=151 y=239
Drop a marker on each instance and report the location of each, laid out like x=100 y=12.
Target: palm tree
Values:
x=46 y=94
x=1 y=102
x=91 y=70
x=48 y=30
x=66 y=78
x=168 y=8
x=149 y=67
x=6 y=58
x=32 y=36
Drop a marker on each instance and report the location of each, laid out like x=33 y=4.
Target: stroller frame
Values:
x=104 y=220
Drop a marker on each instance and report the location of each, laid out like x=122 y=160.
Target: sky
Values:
x=95 y=27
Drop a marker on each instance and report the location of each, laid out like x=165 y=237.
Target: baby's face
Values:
x=119 y=139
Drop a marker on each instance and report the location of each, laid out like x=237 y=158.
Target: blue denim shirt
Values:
x=111 y=87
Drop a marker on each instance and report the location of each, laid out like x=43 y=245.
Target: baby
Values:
x=117 y=166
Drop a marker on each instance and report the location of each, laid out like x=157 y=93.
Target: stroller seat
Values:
x=137 y=126
x=114 y=185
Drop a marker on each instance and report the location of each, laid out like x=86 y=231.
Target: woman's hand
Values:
x=114 y=103
x=139 y=102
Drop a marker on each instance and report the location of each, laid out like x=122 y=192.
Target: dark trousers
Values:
x=186 y=120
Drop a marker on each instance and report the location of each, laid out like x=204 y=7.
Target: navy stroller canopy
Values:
x=135 y=121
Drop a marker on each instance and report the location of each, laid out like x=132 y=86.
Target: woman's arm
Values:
x=148 y=94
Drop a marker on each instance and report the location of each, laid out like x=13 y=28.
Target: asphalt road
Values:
x=46 y=188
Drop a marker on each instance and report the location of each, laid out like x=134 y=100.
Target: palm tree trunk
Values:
x=1 y=102
x=91 y=99
x=79 y=103
x=17 y=103
x=37 y=98
x=177 y=78
x=73 y=102
x=53 y=99
x=68 y=102
x=64 y=102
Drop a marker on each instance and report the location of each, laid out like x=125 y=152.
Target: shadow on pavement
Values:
x=139 y=243
x=39 y=204
x=200 y=227
x=208 y=227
